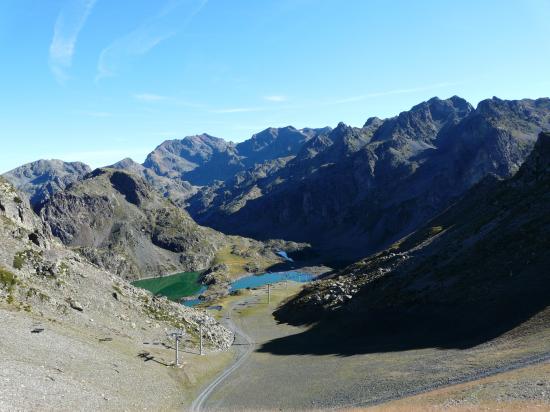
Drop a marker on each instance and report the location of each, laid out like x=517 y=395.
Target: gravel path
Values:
x=245 y=346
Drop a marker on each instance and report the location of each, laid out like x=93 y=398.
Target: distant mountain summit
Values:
x=41 y=179
x=354 y=191
x=273 y=143
x=204 y=159
x=199 y=159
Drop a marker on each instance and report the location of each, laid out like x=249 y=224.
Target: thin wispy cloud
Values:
x=390 y=93
x=275 y=98
x=149 y=97
x=68 y=25
x=161 y=27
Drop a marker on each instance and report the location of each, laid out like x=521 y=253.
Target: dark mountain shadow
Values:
x=453 y=327
x=307 y=257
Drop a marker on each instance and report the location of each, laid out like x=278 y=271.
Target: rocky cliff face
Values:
x=479 y=266
x=357 y=190
x=176 y=190
x=41 y=179
x=119 y=222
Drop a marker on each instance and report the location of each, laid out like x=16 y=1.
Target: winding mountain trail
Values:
x=243 y=351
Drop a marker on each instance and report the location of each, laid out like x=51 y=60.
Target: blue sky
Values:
x=101 y=80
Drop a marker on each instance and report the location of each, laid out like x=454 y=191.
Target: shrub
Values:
x=17 y=200
x=7 y=279
x=19 y=260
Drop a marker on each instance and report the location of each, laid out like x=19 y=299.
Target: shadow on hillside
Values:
x=308 y=257
x=440 y=327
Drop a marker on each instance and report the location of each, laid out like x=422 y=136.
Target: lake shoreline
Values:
x=314 y=272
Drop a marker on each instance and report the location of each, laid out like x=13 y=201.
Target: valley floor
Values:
x=484 y=376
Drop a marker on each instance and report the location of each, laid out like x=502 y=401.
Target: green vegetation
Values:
x=24 y=256
x=235 y=263
x=7 y=279
x=19 y=260
x=241 y=258
x=174 y=287
x=17 y=200
x=63 y=268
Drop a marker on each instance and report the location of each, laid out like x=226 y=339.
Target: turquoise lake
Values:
x=256 y=281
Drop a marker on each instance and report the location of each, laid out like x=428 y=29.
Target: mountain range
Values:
x=436 y=221
x=473 y=272
x=347 y=191
x=354 y=191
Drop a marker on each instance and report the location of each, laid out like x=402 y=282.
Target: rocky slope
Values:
x=473 y=272
x=41 y=179
x=357 y=190
x=176 y=190
x=72 y=332
x=119 y=222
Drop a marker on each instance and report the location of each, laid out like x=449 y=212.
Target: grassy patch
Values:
x=241 y=259
x=174 y=287
x=7 y=279
x=235 y=262
x=19 y=260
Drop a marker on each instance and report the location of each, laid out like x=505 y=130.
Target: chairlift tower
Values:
x=177 y=335
x=201 y=323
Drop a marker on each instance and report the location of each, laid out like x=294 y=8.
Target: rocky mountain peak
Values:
x=425 y=120
x=125 y=163
x=272 y=143
x=373 y=122
x=41 y=179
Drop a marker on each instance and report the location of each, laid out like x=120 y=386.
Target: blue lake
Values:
x=261 y=280
x=276 y=277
